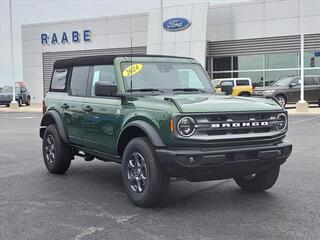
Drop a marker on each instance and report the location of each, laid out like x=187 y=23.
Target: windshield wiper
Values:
x=145 y=90
x=188 y=90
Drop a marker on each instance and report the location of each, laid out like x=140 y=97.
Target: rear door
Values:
x=311 y=89
x=102 y=117
x=72 y=103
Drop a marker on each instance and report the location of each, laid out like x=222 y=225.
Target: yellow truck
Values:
x=241 y=86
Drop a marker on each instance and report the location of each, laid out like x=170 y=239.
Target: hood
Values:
x=202 y=103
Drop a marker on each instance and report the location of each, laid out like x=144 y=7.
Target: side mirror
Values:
x=254 y=85
x=227 y=88
x=105 y=89
x=292 y=85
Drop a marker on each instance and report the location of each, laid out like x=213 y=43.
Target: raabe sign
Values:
x=63 y=38
x=176 y=24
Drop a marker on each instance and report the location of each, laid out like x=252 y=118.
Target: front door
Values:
x=102 y=115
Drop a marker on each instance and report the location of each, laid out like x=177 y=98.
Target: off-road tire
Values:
x=157 y=182
x=28 y=102
x=62 y=152
x=261 y=181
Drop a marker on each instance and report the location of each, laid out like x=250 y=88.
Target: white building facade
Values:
x=258 y=39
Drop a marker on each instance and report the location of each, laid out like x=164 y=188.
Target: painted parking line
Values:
x=305 y=120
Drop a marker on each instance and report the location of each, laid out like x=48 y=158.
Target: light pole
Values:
x=302 y=105
x=13 y=103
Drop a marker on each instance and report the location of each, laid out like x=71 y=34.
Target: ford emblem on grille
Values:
x=239 y=124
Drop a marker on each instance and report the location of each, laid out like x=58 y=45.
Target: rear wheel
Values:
x=28 y=102
x=144 y=180
x=282 y=100
x=259 y=182
x=57 y=155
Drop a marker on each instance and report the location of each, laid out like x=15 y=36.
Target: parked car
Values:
x=241 y=86
x=159 y=118
x=22 y=95
x=287 y=89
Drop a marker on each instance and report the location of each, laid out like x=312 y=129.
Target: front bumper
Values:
x=221 y=163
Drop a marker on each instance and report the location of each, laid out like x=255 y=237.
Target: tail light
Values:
x=44 y=107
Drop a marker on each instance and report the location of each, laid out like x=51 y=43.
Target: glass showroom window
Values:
x=310 y=59
x=282 y=60
x=222 y=64
x=248 y=62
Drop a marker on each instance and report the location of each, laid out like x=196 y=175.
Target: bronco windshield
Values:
x=164 y=77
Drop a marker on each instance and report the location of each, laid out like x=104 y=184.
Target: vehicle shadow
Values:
x=101 y=183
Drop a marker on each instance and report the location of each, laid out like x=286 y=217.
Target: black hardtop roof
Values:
x=102 y=59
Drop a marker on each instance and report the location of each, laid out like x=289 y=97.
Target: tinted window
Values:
x=317 y=81
x=59 y=79
x=309 y=81
x=104 y=73
x=79 y=79
x=243 y=82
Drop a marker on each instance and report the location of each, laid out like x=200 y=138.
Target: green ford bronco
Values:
x=159 y=118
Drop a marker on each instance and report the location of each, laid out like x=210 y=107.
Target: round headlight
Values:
x=282 y=121
x=186 y=126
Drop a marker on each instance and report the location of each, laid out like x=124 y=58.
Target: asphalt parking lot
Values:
x=89 y=201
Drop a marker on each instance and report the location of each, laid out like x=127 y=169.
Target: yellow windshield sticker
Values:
x=132 y=70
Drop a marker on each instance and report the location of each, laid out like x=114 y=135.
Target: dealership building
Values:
x=259 y=39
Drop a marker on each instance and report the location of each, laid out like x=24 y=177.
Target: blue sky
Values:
x=37 y=11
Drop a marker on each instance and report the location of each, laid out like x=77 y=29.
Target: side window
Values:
x=230 y=81
x=102 y=73
x=316 y=81
x=59 y=79
x=243 y=82
x=309 y=81
x=79 y=79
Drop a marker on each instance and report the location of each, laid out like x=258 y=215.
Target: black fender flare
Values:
x=148 y=129
x=47 y=120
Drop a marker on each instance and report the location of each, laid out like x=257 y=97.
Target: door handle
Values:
x=88 y=109
x=65 y=106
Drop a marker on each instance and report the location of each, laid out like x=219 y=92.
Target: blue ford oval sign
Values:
x=176 y=24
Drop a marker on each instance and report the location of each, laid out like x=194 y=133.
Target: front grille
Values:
x=236 y=124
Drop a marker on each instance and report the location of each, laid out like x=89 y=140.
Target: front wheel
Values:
x=259 y=182
x=282 y=100
x=28 y=102
x=57 y=155
x=145 y=182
